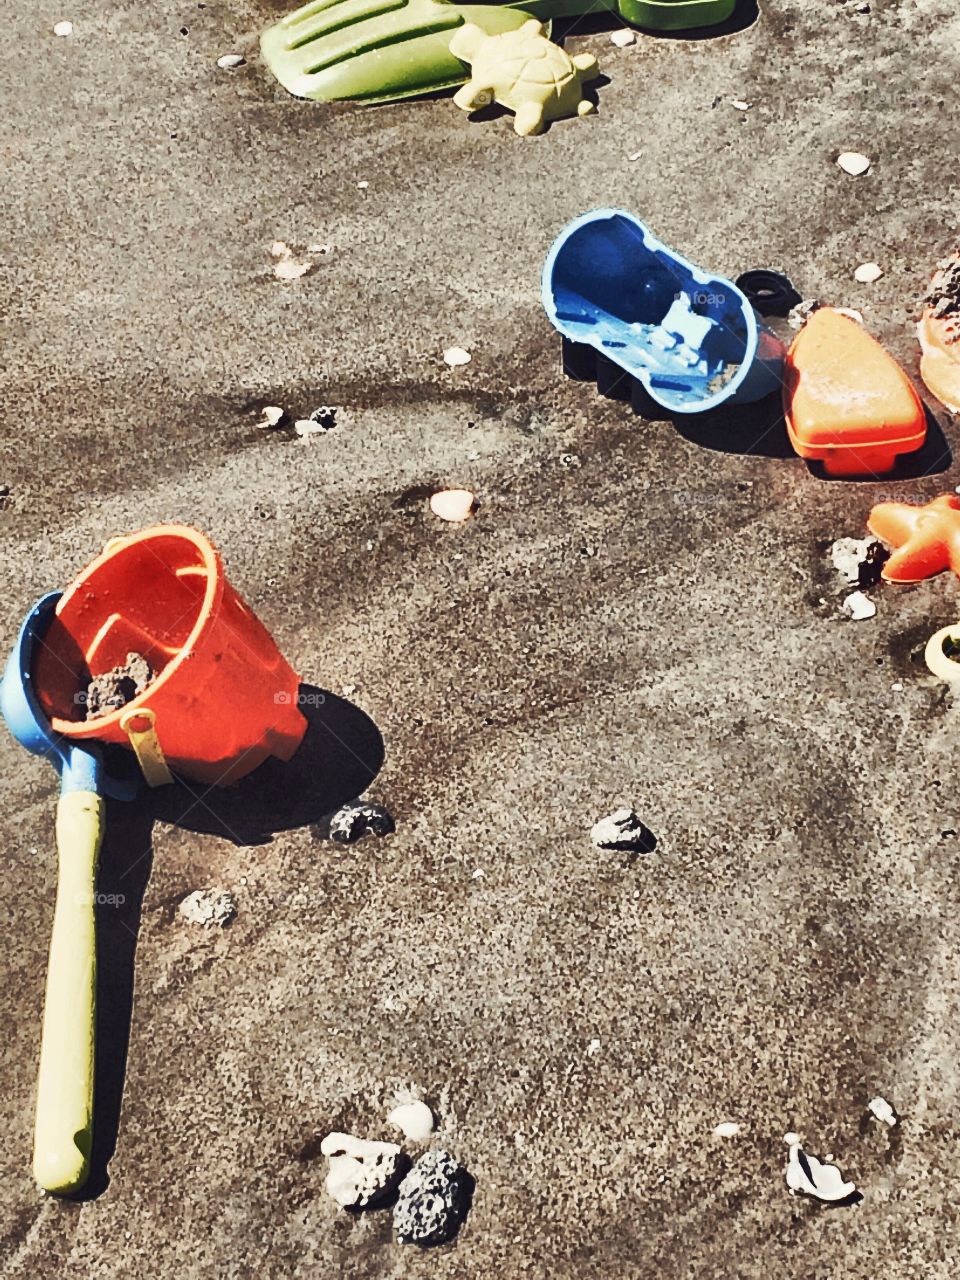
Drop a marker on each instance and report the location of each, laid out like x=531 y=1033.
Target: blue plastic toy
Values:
x=692 y=340
x=64 y=1121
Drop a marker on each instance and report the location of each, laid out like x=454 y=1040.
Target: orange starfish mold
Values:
x=927 y=539
x=939 y=334
x=847 y=403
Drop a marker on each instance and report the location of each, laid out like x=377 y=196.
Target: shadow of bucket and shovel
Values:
x=225 y=712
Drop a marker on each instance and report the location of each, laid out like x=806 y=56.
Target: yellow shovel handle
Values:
x=64 y=1128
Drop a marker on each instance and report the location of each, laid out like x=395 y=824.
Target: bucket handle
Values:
x=140 y=726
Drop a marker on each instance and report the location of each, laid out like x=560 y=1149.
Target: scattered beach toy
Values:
x=847 y=403
x=361 y=1172
x=454 y=505
x=208 y=906
x=854 y=162
x=939 y=334
x=359 y=818
x=334 y=50
x=926 y=539
x=403 y=50
x=881 y=1109
x=814 y=1177
x=942 y=651
x=859 y=607
x=63 y=1130
x=524 y=71
x=413 y=1119
x=634 y=315
x=431 y=1202
x=623 y=830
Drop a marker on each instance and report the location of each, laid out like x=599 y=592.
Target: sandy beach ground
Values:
x=657 y=626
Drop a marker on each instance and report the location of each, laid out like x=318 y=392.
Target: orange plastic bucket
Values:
x=224 y=697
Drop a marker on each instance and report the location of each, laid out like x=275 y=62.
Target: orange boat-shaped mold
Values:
x=847 y=403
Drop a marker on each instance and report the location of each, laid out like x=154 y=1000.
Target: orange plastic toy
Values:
x=847 y=403
x=927 y=538
x=222 y=699
x=939 y=334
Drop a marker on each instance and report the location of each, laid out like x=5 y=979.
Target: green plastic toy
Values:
x=524 y=71
x=384 y=50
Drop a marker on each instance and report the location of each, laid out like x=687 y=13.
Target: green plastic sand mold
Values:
x=383 y=50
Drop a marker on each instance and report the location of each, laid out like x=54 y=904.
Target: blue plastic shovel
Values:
x=64 y=1125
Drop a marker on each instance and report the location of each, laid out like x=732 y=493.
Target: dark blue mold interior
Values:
x=648 y=310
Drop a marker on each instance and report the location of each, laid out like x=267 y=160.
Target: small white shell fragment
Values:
x=622 y=38
x=309 y=427
x=413 y=1119
x=361 y=1172
x=63 y=28
x=455 y=505
x=739 y=105
x=859 y=607
x=363 y=185
x=623 y=830
x=634 y=155
x=801 y=313
x=854 y=162
x=230 y=60
x=847 y=555
x=318 y=248
x=593 y=1048
x=727 y=1129
x=287 y=269
x=272 y=416
x=882 y=1110
x=345 y=1144
x=868 y=272
x=454 y=356
x=811 y=1177
x=208 y=906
